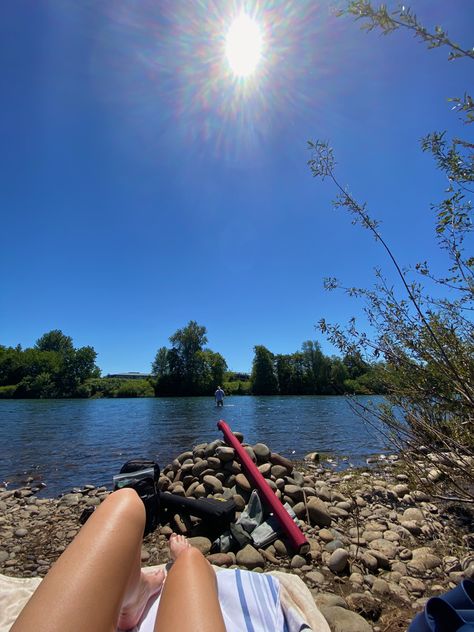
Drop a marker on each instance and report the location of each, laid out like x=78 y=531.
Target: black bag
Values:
x=143 y=477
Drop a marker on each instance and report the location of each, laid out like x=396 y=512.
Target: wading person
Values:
x=219 y=397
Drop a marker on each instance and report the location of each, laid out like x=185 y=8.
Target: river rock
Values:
x=278 y=459
x=294 y=492
x=318 y=512
x=243 y=482
x=224 y=453
x=214 y=463
x=316 y=578
x=262 y=452
x=342 y=620
x=326 y=535
x=201 y=543
x=413 y=585
x=213 y=482
x=411 y=526
x=338 y=560
x=297 y=561
x=265 y=469
x=278 y=471
x=413 y=513
x=220 y=559
x=328 y=600
x=199 y=467
x=250 y=557
x=20 y=533
x=385 y=547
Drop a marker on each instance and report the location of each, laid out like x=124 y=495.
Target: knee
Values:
x=192 y=556
x=127 y=501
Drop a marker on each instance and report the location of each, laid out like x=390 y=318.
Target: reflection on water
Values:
x=67 y=443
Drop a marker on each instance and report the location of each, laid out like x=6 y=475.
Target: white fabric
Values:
x=296 y=601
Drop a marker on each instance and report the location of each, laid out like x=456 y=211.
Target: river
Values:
x=68 y=443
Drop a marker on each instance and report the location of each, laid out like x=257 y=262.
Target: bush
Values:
x=135 y=388
x=237 y=388
x=7 y=392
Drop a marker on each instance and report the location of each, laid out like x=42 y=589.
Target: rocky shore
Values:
x=379 y=545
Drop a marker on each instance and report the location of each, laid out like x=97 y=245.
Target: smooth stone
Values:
x=220 y=559
x=225 y=453
x=242 y=482
x=184 y=456
x=326 y=535
x=300 y=510
x=294 y=492
x=318 y=512
x=385 y=547
x=280 y=547
x=412 y=513
x=411 y=526
x=199 y=467
x=342 y=620
x=380 y=586
x=278 y=459
x=265 y=469
x=268 y=555
x=251 y=453
x=413 y=585
x=4 y=556
x=213 y=482
x=70 y=499
x=20 y=533
x=324 y=493
x=278 y=471
x=329 y=600
x=250 y=557
x=201 y=543
x=214 y=463
x=316 y=578
x=261 y=451
x=338 y=560
x=401 y=489
x=333 y=545
x=297 y=561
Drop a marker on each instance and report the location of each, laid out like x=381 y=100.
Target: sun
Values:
x=243 y=48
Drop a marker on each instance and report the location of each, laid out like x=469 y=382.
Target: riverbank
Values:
x=379 y=546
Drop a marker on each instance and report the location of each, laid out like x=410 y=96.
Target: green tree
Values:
x=263 y=378
x=187 y=368
x=54 y=340
x=424 y=336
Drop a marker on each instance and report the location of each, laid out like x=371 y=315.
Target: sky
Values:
x=143 y=184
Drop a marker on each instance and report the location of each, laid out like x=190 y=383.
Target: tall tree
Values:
x=54 y=340
x=187 y=368
x=263 y=378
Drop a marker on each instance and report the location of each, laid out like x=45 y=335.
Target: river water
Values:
x=68 y=443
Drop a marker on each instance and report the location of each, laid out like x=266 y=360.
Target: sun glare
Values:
x=244 y=44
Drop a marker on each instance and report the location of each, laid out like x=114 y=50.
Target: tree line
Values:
x=54 y=368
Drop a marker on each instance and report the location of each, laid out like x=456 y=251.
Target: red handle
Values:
x=295 y=535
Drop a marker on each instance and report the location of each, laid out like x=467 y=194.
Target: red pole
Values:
x=294 y=533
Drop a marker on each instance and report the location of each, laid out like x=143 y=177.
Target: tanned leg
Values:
x=97 y=579
x=189 y=600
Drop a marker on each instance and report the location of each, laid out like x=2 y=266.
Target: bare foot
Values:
x=150 y=584
x=177 y=544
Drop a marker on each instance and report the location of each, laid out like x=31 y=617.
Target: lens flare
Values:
x=243 y=46
x=218 y=77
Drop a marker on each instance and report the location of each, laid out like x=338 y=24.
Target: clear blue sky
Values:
x=142 y=186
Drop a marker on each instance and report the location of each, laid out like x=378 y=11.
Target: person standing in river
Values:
x=219 y=397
